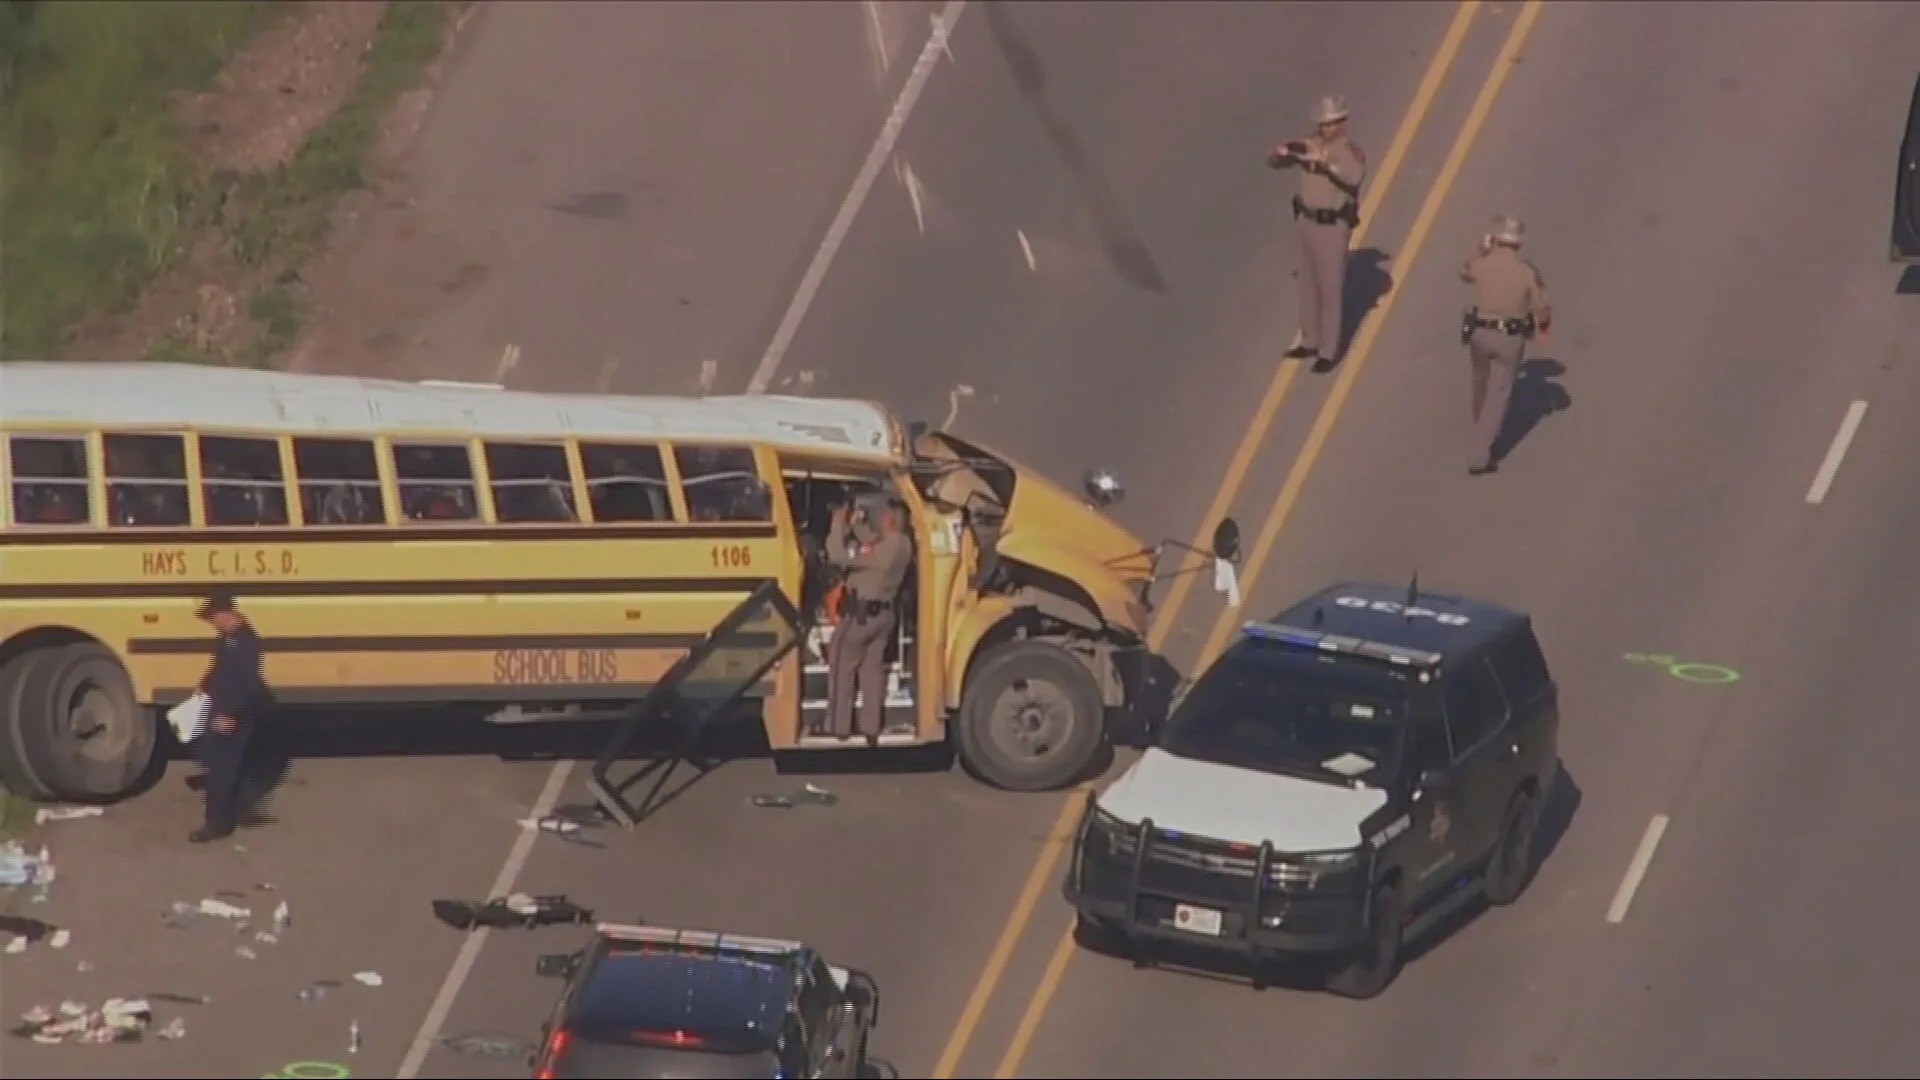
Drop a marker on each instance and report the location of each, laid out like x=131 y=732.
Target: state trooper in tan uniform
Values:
x=1326 y=211
x=857 y=655
x=1509 y=307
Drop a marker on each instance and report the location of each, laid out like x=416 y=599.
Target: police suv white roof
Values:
x=1300 y=816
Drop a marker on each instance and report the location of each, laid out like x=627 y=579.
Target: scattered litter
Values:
x=65 y=813
x=60 y=938
x=368 y=978
x=175 y=1028
x=245 y=953
x=353 y=1037
x=83 y=966
x=489 y=1044
x=19 y=867
x=265 y=938
x=552 y=823
x=808 y=795
x=518 y=910
x=219 y=909
x=16 y=945
x=316 y=992
x=116 y=1020
x=181 y=999
x=282 y=918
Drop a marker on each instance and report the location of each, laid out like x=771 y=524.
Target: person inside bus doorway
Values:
x=876 y=568
x=236 y=691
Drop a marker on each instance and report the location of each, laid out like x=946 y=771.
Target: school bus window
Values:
x=531 y=483
x=50 y=480
x=722 y=484
x=436 y=481
x=339 y=482
x=626 y=482
x=146 y=481
x=241 y=481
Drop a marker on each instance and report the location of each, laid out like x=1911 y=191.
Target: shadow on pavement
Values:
x=1537 y=394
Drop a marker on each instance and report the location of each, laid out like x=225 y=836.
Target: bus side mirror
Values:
x=1226 y=540
x=1103 y=488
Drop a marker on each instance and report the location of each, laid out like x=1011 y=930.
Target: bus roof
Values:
x=152 y=395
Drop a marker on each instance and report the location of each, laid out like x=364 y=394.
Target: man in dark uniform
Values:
x=236 y=690
x=1509 y=308
x=857 y=655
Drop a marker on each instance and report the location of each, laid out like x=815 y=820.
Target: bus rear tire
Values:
x=74 y=729
x=1031 y=718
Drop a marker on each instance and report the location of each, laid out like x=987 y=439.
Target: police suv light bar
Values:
x=698 y=939
x=1314 y=639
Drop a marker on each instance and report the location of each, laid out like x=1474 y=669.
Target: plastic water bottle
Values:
x=282 y=918
x=353 y=1037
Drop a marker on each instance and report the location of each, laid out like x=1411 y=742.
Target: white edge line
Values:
x=842 y=224
x=1637 y=869
x=429 y=1033
x=1836 y=453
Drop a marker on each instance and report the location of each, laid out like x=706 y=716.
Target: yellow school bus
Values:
x=425 y=543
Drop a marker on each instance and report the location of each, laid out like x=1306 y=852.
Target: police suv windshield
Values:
x=1286 y=710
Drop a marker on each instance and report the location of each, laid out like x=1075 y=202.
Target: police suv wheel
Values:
x=1031 y=718
x=1099 y=936
x=1371 y=968
x=1510 y=869
x=74 y=729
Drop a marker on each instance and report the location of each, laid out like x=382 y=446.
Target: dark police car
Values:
x=644 y=1002
x=1339 y=780
x=1906 y=188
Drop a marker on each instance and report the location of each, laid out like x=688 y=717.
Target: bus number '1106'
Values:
x=555 y=667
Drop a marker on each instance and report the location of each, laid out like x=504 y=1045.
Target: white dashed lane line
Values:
x=1836 y=453
x=1637 y=869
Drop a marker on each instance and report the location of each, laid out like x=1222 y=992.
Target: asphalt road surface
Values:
x=1078 y=251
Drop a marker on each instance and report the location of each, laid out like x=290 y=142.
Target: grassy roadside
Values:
x=285 y=215
x=96 y=195
x=99 y=200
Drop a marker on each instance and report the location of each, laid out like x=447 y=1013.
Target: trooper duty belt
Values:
x=1472 y=320
x=1348 y=214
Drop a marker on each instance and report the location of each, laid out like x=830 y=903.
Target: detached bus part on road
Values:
x=423 y=544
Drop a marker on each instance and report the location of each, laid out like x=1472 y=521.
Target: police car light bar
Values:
x=1314 y=639
x=698 y=939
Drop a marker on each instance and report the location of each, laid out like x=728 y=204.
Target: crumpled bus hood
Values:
x=1053 y=529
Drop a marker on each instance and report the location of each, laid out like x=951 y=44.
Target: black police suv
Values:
x=1906 y=189
x=1341 y=778
x=644 y=1002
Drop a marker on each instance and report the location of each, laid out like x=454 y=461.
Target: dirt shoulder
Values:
x=246 y=126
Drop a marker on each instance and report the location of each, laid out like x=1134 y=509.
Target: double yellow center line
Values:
x=1277 y=515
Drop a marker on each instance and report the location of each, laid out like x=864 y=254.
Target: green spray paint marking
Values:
x=1686 y=671
x=310 y=1070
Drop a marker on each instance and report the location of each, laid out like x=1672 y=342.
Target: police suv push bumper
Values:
x=1152 y=882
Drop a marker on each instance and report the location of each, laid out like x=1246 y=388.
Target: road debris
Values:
x=369 y=978
x=552 y=823
x=353 y=1037
x=245 y=953
x=808 y=795
x=48 y=814
x=489 y=1044
x=175 y=1028
x=216 y=909
x=59 y=939
x=117 y=1020
x=282 y=918
x=517 y=911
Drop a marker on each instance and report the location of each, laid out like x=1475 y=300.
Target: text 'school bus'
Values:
x=429 y=543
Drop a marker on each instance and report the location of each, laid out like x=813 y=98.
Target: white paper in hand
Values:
x=1226 y=582
x=189 y=718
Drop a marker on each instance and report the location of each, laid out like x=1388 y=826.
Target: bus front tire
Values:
x=73 y=727
x=1031 y=718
